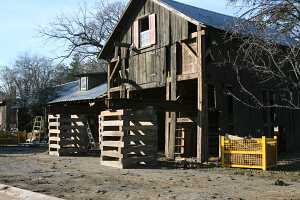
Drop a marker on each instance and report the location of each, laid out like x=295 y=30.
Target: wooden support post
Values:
x=171 y=94
x=123 y=71
x=167 y=120
x=202 y=141
x=108 y=80
x=174 y=63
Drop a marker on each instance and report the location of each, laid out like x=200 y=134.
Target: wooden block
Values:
x=114 y=113
x=112 y=143
x=54 y=146
x=115 y=164
x=112 y=133
x=55 y=131
x=53 y=153
x=112 y=123
x=54 y=124
x=114 y=154
x=57 y=139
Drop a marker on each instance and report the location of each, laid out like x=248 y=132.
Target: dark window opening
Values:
x=144 y=24
x=192 y=28
x=211 y=97
x=144 y=32
x=168 y=58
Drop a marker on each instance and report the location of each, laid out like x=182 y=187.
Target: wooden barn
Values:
x=163 y=70
x=73 y=115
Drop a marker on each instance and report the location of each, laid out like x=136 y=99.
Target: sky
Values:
x=20 y=21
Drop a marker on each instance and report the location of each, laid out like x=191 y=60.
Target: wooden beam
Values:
x=201 y=101
x=189 y=50
x=173 y=97
x=77 y=108
x=108 y=79
x=167 y=119
x=183 y=77
x=115 y=69
x=167 y=105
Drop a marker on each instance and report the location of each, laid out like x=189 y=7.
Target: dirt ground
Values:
x=83 y=178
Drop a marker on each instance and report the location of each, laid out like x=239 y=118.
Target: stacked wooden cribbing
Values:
x=54 y=132
x=179 y=142
x=73 y=137
x=128 y=138
x=67 y=135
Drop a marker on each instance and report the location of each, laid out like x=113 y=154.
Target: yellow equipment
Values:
x=257 y=153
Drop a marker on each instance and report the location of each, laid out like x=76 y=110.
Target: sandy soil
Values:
x=83 y=178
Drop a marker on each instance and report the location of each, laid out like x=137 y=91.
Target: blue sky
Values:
x=20 y=20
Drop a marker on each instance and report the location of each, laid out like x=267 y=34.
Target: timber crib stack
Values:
x=54 y=131
x=73 y=136
x=67 y=135
x=128 y=138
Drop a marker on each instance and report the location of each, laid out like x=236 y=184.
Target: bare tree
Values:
x=30 y=77
x=86 y=33
x=268 y=34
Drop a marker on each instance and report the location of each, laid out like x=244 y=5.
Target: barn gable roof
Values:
x=195 y=15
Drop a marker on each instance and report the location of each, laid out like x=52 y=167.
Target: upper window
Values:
x=144 y=31
x=83 y=83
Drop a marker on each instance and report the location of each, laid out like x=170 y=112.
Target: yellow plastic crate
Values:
x=257 y=153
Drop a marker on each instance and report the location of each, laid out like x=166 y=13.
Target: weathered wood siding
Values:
x=148 y=66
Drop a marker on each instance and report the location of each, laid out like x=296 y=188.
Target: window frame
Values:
x=82 y=80
x=138 y=22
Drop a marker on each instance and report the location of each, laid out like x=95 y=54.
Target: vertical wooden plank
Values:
x=167 y=121
x=136 y=34
x=156 y=10
x=179 y=28
x=138 y=69
x=108 y=79
x=123 y=70
x=152 y=26
x=166 y=16
x=163 y=67
x=144 y=64
x=148 y=67
x=173 y=28
x=129 y=37
x=201 y=102
x=173 y=97
x=184 y=29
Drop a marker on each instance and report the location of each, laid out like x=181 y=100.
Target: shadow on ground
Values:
x=288 y=163
x=21 y=149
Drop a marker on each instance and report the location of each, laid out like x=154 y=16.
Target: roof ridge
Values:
x=204 y=9
x=66 y=83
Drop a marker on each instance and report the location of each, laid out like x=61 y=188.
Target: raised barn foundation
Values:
x=67 y=134
x=128 y=138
